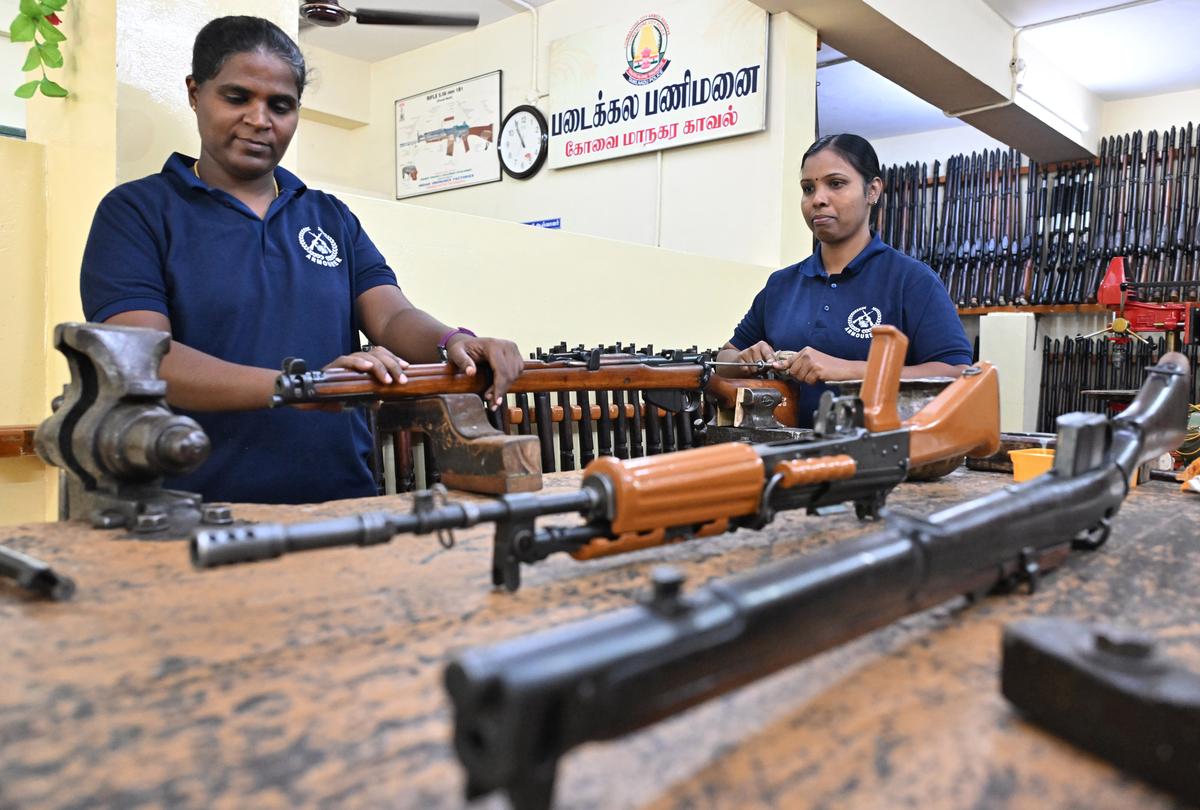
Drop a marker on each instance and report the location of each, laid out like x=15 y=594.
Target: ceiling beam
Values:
x=954 y=54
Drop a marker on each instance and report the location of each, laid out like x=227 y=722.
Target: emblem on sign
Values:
x=646 y=50
x=319 y=247
x=861 y=321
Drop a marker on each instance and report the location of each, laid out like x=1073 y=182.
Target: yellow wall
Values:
x=731 y=199
x=25 y=483
x=1151 y=112
x=539 y=287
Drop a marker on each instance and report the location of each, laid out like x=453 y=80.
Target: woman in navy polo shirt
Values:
x=823 y=307
x=244 y=265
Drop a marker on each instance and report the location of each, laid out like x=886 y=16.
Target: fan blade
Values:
x=369 y=16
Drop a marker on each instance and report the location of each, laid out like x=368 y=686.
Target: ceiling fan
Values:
x=332 y=13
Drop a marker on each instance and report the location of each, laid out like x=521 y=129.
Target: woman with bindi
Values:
x=821 y=310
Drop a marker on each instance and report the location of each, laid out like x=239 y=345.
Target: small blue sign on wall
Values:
x=555 y=223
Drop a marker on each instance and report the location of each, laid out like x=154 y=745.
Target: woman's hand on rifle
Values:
x=503 y=356
x=378 y=362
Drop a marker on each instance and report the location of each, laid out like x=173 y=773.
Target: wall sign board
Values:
x=692 y=71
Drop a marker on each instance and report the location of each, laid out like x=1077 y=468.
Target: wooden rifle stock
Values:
x=444 y=378
x=620 y=372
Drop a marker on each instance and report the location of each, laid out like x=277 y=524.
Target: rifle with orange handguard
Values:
x=861 y=450
x=672 y=381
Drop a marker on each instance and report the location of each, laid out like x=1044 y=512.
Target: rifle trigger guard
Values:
x=765 y=513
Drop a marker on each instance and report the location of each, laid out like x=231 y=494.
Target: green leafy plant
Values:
x=38 y=23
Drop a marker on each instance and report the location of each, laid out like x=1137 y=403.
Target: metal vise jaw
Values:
x=114 y=436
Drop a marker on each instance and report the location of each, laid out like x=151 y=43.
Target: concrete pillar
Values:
x=1007 y=340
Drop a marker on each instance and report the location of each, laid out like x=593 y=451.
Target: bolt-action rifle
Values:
x=860 y=452
x=521 y=704
x=671 y=380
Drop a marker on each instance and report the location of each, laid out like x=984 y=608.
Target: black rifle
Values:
x=968 y=251
x=1029 y=239
x=1179 y=241
x=944 y=250
x=1010 y=236
x=1057 y=210
x=1193 y=229
x=1145 y=269
x=521 y=704
x=1083 y=227
x=928 y=254
x=889 y=205
x=1099 y=253
x=1137 y=215
x=989 y=240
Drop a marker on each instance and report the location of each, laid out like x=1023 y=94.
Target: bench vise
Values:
x=114 y=437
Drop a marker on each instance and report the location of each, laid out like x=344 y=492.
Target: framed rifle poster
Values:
x=446 y=137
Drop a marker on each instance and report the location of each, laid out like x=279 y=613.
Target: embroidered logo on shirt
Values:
x=861 y=320
x=319 y=247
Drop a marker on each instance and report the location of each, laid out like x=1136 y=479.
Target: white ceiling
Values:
x=1131 y=52
x=1144 y=50
x=1140 y=51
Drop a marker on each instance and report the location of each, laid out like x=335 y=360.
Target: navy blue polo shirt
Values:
x=802 y=305
x=251 y=291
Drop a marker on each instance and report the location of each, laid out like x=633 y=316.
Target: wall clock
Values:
x=524 y=141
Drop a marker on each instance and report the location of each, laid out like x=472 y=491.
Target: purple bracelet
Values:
x=458 y=330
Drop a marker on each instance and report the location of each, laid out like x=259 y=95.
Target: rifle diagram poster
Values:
x=446 y=137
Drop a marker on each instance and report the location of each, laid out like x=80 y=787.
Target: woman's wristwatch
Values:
x=458 y=330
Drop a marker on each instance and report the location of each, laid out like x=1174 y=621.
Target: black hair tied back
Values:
x=226 y=36
x=854 y=149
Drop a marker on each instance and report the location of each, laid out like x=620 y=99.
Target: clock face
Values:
x=523 y=142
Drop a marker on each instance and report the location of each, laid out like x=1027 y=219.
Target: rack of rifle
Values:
x=1011 y=232
x=1108 y=370
x=615 y=420
x=859 y=451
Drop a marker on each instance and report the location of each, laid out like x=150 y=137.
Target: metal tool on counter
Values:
x=1109 y=691
x=34 y=575
x=115 y=438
